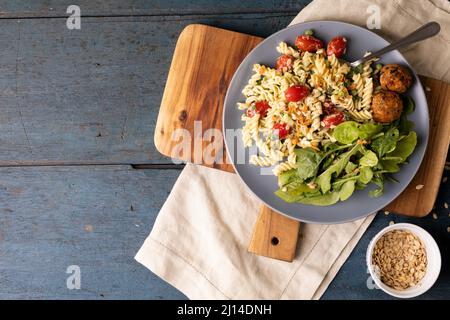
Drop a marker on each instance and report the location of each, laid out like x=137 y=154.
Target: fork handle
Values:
x=424 y=32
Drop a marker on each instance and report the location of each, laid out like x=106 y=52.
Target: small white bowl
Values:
x=433 y=261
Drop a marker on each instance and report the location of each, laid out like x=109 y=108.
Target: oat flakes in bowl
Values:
x=403 y=260
x=400 y=259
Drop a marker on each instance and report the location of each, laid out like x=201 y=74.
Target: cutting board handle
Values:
x=274 y=235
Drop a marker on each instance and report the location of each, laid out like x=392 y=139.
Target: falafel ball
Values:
x=387 y=106
x=395 y=77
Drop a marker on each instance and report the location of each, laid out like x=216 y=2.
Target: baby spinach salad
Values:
x=362 y=154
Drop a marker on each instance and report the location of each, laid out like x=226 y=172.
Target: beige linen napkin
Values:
x=199 y=240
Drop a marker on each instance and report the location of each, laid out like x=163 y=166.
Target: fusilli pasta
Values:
x=285 y=124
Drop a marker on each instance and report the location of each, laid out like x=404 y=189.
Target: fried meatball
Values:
x=386 y=106
x=395 y=77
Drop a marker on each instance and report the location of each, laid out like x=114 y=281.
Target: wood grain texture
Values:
x=274 y=236
x=203 y=64
x=95 y=217
x=207 y=58
x=57 y=8
x=411 y=202
x=90 y=96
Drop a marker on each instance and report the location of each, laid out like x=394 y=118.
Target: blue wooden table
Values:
x=81 y=182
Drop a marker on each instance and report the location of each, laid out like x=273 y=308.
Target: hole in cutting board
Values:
x=274 y=241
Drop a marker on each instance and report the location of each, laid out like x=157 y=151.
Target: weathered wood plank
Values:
x=95 y=217
x=91 y=95
x=54 y=217
x=57 y=8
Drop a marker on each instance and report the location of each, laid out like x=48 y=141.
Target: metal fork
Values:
x=424 y=32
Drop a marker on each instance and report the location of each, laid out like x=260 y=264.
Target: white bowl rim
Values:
x=420 y=233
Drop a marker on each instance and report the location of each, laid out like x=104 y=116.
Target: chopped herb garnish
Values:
x=357 y=69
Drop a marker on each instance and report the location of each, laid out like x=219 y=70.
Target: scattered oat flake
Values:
x=448 y=229
x=445 y=205
x=419 y=186
x=428 y=89
x=386 y=212
x=444 y=179
x=391 y=223
x=435 y=216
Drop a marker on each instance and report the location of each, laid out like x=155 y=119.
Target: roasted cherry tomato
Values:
x=281 y=130
x=285 y=62
x=333 y=119
x=308 y=43
x=296 y=93
x=337 y=46
x=260 y=107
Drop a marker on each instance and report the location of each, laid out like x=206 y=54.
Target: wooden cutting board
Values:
x=203 y=64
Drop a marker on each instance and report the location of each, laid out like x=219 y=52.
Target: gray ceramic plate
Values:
x=359 y=204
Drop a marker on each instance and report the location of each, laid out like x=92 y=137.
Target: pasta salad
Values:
x=327 y=128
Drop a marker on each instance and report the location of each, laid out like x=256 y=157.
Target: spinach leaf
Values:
x=365 y=175
x=359 y=185
x=347 y=190
x=404 y=147
x=331 y=153
x=350 y=167
x=368 y=130
x=369 y=159
x=324 y=179
x=328 y=162
x=408 y=105
x=337 y=184
x=308 y=161
x=385 y=143
x=394 y=159
x=389 y=166
x=331 y=197
x=333 y=148
x=322 y=200
x=287 y=176
x=405 y=126
x=330 y=146
x=378 y=180
x=293 y=192
x=346 y=132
